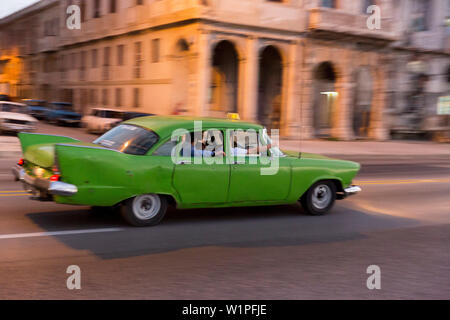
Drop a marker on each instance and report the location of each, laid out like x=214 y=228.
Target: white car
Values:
x=101 y=119
x=14 y=117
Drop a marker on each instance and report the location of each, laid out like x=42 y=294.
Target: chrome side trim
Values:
x=352 y=190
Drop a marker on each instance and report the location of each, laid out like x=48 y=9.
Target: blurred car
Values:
x=140 y=168
x=37 y=108
x=14 y=117
x=128 y=115
x=4 y=97
x=62 y=113
x=101 y=120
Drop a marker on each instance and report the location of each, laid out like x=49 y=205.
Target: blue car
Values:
x=62 y=113
x=37 y=108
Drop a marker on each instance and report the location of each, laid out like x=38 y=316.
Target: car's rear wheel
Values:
x=320 y=198
x=144 y=210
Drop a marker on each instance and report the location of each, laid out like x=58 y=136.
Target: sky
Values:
x=10 y=6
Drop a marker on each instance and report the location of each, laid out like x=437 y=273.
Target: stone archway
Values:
x=362 y=104
x=180 y=83
x=324 y=98
x=270 y=87
x=223 y=97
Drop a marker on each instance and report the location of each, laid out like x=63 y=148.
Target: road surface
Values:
x=400 y=222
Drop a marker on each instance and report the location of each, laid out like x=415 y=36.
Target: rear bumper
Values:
x=43 y=188
x=352 y=190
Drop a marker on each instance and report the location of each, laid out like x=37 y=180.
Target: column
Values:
x=291 y=112
x=249 y=67
x=203 y=74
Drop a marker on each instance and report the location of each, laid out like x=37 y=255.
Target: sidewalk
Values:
x=10 y=147
x=394 y=148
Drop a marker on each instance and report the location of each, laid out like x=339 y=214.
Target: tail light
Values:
x=55 y=177
x=21 y=162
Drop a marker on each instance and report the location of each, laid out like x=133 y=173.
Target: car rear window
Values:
x=128 y=139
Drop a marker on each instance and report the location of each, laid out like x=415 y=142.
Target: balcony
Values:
x=259 y=13
x=339 y=22
x=47 y=44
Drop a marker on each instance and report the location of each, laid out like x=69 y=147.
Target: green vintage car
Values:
x=144 y=164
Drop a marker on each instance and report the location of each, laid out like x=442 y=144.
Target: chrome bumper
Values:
x=352 y=190
x=41 y=188
x=18 y=173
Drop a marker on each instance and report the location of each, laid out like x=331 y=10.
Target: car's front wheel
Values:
x=320 y=198
x=144 y=210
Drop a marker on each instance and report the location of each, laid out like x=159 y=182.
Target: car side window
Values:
x=166 y=149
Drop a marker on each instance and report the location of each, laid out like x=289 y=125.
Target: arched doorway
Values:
x=363 y=102
x=270 y=85
x=325 y=97
x=224 y=79
x=180 y=83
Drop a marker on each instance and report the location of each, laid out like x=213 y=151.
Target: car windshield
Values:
x=112 y=114
x=128 y=139
x=8 y=107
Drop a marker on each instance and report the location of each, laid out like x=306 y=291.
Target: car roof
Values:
x=165 y=125
x=14 y=103
x=108 y=109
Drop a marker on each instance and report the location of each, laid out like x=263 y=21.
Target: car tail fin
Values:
x=30 y=139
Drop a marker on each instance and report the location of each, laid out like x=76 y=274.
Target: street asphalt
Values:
x=400 y=222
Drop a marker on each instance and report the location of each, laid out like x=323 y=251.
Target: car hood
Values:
x=16 y=116
x=43 y=155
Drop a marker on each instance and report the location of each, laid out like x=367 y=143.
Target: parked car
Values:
x=139 y=168
x=4 y=97
x=14 y=117
x=37 y=108
x=62 y=113
x=128 y=115
x=101 y=120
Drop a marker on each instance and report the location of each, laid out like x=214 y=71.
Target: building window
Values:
x=155 y=50
x=94 y=58
x=82 y=64
x=118 y=97
x=136 y=97
x=366 y=4
x=96 y=13
x=421 y=10
x=112 y=6
x=329 y=3
x=74 y=60
x=83 y=10
x=120 y=55
x=106 y=62
x=105 y=101
x=93 y=97
x=137 y=60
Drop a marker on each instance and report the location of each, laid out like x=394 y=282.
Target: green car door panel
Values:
x=247 y=183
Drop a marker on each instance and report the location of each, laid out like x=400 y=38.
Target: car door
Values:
x=254 y=178
x=199 y=182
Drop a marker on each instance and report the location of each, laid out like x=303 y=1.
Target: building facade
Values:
x=312 y=68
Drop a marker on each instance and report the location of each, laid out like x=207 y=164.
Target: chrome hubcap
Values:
x=321 y=197
x=146 y=206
